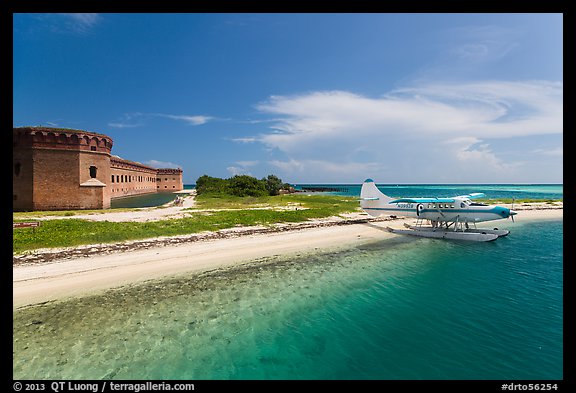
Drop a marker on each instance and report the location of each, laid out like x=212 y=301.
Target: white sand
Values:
x=38 y=283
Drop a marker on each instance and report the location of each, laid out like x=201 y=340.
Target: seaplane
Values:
x=445 y=218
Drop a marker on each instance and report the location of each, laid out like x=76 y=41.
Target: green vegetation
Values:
x=287 y=208
x=65 y=213
x=331 y=204
x=240 y=185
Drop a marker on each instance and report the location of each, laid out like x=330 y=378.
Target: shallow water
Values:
x=403 y=308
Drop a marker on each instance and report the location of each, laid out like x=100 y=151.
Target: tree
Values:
x=244 y=185
x=240 y=185
x=273 y=184
x=207 y=184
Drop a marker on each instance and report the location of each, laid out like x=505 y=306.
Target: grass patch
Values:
x=64 y=213
x=74 y=232
x=218 y=201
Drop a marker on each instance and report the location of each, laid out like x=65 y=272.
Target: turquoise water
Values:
x=401 y=308
x=517 y=191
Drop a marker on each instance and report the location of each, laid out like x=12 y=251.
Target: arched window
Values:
x=93 y=172
x=17 y=167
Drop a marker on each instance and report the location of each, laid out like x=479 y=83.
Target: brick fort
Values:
x=66 y=169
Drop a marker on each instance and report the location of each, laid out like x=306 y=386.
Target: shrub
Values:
x=239 y=185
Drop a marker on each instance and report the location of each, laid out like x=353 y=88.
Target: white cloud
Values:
x=242 y=168
x=558 y=152
x=331 y=171
x=124 y=125
x=234 y=170
x=290 y=166
x=75 y=22
x=411 y=130
x=191 y=120
x=161 y=164
x=86 y=19
x=471 y=153
x=138 y=119
x=245 y=140
x=128 y=120
x=483 y=43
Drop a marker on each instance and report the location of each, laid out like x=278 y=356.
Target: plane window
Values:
x=452 y=206
x=462 y=205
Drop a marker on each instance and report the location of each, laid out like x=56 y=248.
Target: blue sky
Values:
x=312 y=98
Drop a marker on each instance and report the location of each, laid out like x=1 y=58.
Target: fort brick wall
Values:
x=169 y=180
x=55 y=169
x=61 y=169
x=131 y=178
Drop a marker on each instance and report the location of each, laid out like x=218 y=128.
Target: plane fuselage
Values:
x=436 y=210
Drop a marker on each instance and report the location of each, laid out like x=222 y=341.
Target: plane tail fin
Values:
x=371 y=198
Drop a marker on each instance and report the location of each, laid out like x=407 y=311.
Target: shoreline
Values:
x=51 y=275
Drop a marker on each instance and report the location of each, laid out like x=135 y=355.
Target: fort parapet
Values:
x=61 y=169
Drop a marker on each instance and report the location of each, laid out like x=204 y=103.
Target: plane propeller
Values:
x=512 y=212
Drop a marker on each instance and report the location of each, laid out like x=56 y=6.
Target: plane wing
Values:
x=423 y=200
x=474 y=195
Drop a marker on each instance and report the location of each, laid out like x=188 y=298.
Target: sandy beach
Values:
x=49 y=275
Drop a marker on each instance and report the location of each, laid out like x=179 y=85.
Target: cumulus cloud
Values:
x=454 y=126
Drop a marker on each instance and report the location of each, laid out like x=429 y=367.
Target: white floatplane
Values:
x=449 y=218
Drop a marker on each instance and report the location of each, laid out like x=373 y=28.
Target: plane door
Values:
x=419 y=208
